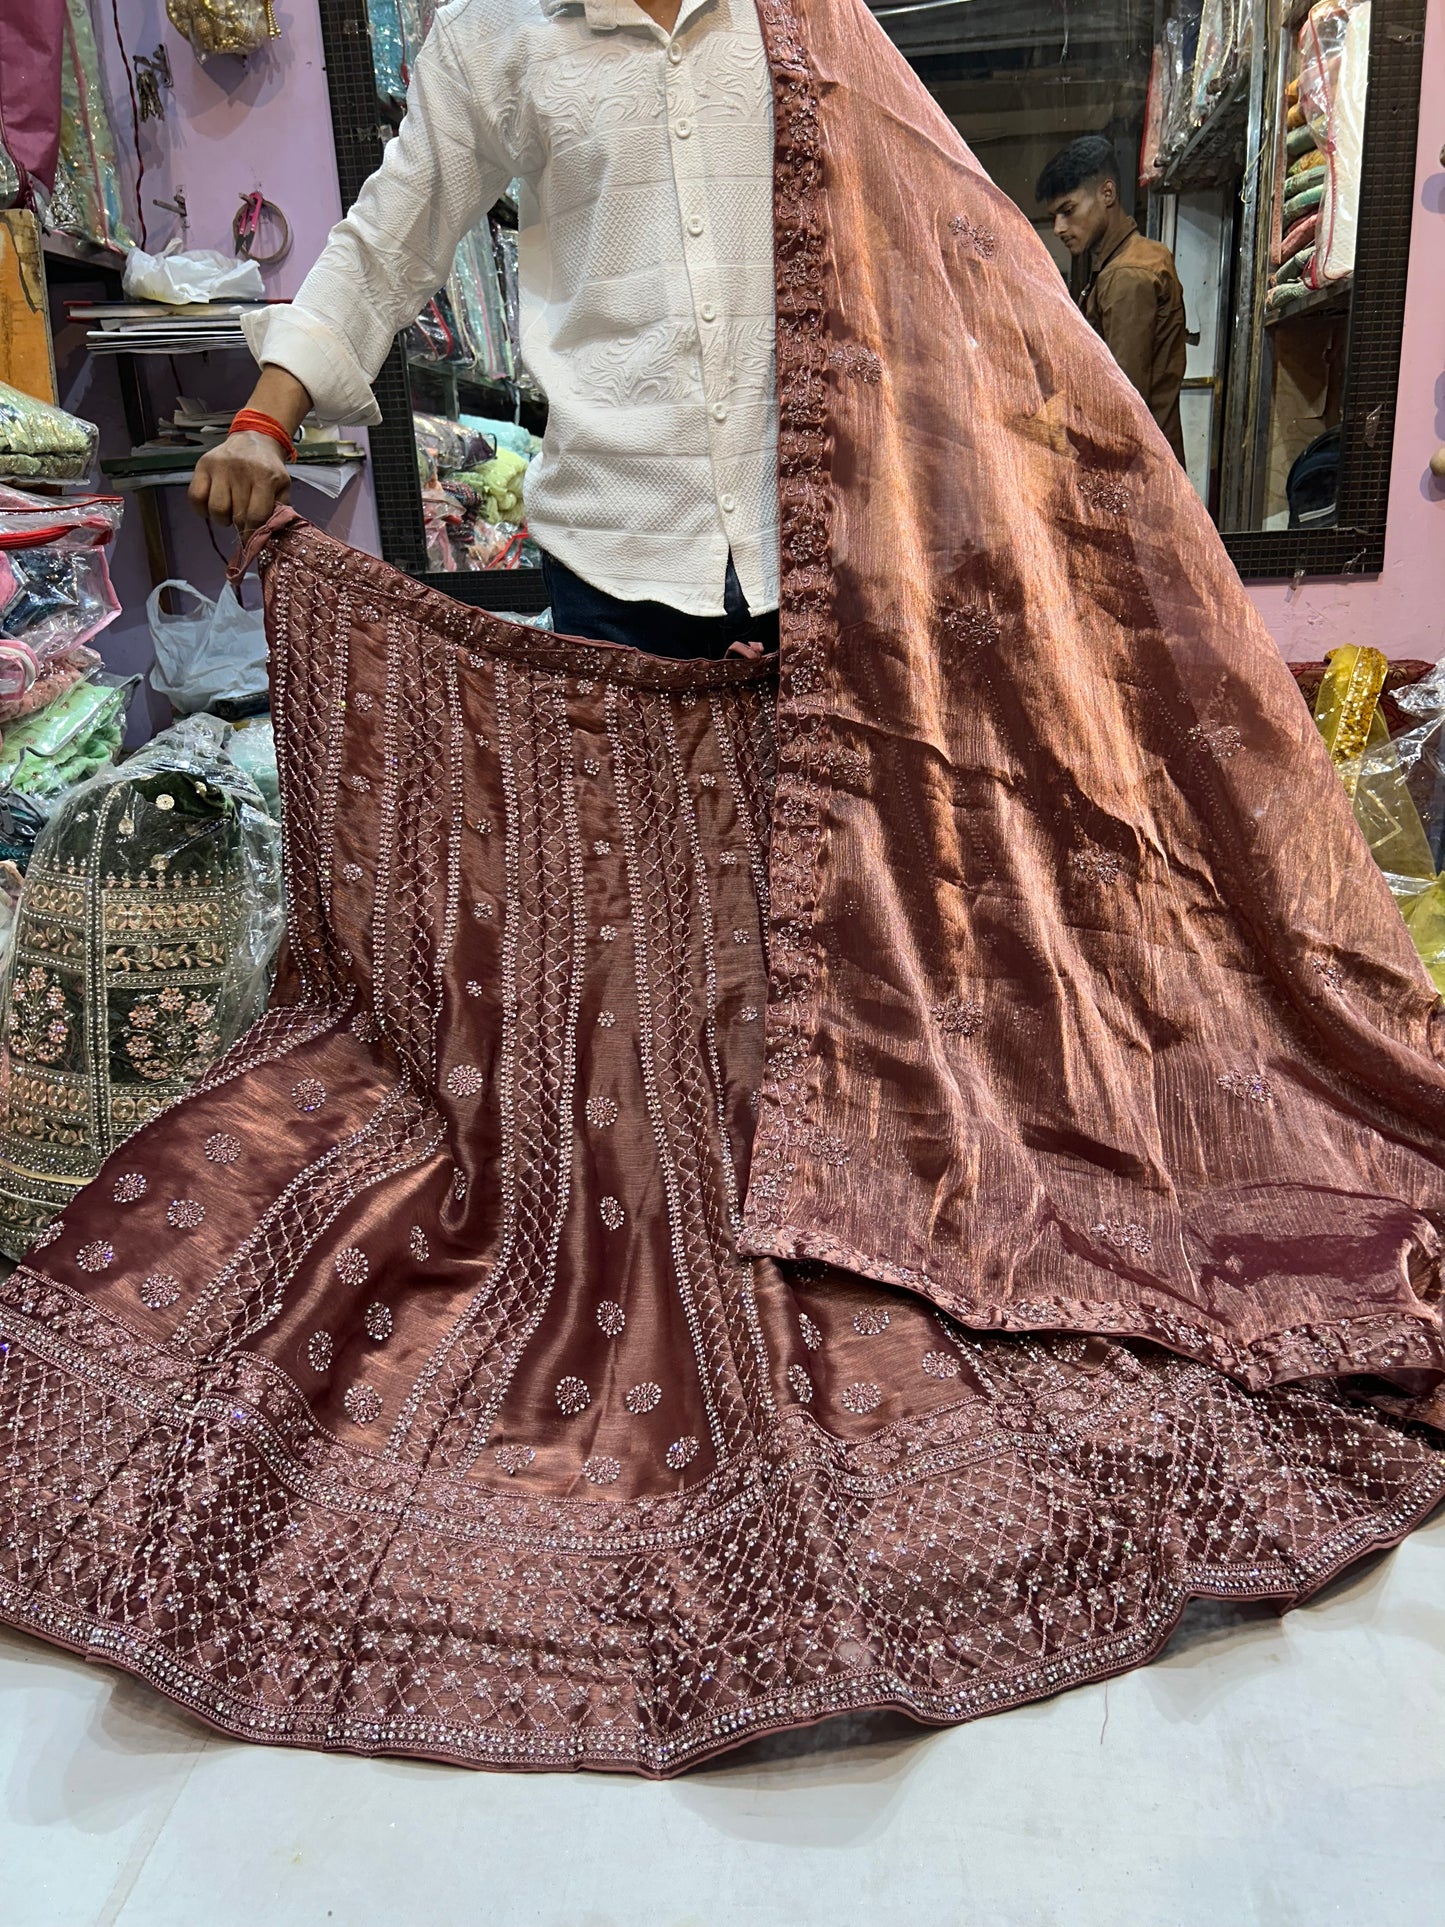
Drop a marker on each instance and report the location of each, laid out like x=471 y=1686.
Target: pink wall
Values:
x=1401 y=611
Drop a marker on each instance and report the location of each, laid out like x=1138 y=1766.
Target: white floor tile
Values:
x=1263 y=1773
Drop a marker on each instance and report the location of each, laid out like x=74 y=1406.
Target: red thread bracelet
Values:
x=250 y=421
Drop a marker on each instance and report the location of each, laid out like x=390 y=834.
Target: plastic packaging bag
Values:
x=67 y=742
x=218 y=654
x=1395 y=784
x=1334 y=82
x=143 y=948
x=55 y=586
x=41 y=442
x=235 y=27
x=87 y=197
x=179 y=277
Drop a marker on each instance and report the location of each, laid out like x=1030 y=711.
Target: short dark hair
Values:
x=1090 y=158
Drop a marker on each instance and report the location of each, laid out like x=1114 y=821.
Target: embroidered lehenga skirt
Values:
x=403 y=1388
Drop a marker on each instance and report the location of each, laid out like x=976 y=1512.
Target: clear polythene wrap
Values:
x=143 y=947
x=55 y=587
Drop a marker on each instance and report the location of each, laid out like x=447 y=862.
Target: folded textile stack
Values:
x=1314 y=244
x=61 y=719
x=42 y=443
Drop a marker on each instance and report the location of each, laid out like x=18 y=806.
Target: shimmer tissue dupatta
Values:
x=757 y=1198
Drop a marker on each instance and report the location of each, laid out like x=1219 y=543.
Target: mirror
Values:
x=1267 y=145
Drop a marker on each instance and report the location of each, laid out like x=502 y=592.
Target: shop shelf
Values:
x=1215 y=151
x=1332 y=300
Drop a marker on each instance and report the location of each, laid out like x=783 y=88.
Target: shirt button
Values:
x=674 y=54
x=683 y=129
x=719 y=413
x=729 y=503
x=709 y=312
x=694 y=225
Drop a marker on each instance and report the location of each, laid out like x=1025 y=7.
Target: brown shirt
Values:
x=1135 y=302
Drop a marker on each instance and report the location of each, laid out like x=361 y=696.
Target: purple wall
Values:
x=231 y=126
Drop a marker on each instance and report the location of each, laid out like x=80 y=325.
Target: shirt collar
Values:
x=605 y=16
x=1126 y=233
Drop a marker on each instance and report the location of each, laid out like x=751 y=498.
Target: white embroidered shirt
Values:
x=646 y=268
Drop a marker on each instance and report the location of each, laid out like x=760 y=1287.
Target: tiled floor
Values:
x=1263 y=1773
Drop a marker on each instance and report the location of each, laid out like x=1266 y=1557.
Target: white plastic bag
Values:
x=201 y=274
x=218 y=655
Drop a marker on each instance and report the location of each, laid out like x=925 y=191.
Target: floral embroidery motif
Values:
x=608 y=933
x=159 y=1291
x=99 y=1256
x=364 y=701
x=352 y=872
x=1330 y=974
x=707 y=781
x=365 y=1027
x=1104 y=492
x=420 y=1249
x=352 y=1267
x=861 y=1396
x=871 y=1322
x=481 y=741
x=800 y=1385
x=47 y=1236
x=591 y=766
x=361 y=784
x=941 y=1364
x=812 y=1337
x=606 y=1019
x=611 y=1318
x=474 y=989
x=1125 y=1237
x=185 y=1214
x=33 y=1035
x=601 y=1111
x=602 y=847
x=320 y=1350
x=378 y=1322
x=363 y=1404
x=748 y=1014
x=483 y=826
x=728 y=860
x=981 y=239
x=169 y=1035
x=1099 y=866
x=958 y=1016
x=613 y=1215
x=967 y=625
x=643 y=1398
x=742 y=936
x=483 y=912
x=309 y=1095
x=130 y=1188
x=681 y=1453
x=514 y=1458
x=1253 y=1086
x=602 y=1470
x=1221 y=740
x=221 y=1148
x=459 y=1184
x=465 y=1080
x=851 y=358
x=572 y=1396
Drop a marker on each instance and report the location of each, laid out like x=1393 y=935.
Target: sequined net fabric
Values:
x=755 y=1200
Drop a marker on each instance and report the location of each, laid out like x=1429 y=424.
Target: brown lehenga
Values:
x=758 y=1198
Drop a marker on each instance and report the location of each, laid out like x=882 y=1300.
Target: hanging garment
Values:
x=31 y=38
x=755 y=1202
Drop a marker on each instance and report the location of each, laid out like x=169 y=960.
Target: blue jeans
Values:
x=580 y=610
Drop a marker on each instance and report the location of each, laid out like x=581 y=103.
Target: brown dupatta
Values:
x=1088 y=1009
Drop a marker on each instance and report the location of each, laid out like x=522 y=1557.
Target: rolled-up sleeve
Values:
x=380 y=265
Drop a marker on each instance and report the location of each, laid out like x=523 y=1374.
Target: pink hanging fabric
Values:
x=31 y=38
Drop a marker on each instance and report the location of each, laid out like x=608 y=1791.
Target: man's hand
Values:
x=241 y=483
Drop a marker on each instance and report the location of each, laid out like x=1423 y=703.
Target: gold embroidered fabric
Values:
x=409 y=1386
